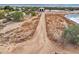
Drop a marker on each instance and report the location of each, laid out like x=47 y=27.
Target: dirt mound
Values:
x=22 y=33
x=56 y=23
x=55 y=26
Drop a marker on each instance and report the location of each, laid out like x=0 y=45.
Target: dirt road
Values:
x=40 y=41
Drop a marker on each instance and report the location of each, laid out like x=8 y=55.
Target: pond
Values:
x=73 y=17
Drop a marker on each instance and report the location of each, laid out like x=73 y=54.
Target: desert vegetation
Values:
x=17 y=16
x=71 y=35
x=16 y=13
x=2 y=14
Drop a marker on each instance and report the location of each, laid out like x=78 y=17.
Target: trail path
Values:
x=39 y=43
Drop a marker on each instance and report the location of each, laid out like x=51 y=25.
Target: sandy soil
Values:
x=39 y=35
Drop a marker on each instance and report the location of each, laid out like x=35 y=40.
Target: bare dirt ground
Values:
x=41 y=34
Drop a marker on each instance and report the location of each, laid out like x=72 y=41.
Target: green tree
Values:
x=8 y=8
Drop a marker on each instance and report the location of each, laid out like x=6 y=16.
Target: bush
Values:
x=17 y=16
x=71 y=35
x=33 y=13
x=2 y=14
x=8 y=17
x=27 y=12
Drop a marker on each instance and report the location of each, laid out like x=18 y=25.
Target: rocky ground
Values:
x=41 y=34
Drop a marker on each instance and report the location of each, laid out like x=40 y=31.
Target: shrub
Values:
x=17 y=16
x=71 y=35
x=8 y=17
x=27 y=12
x=2 y=14
x=33 y=13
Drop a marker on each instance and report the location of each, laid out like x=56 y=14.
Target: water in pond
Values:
x=73 y=17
